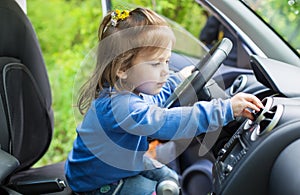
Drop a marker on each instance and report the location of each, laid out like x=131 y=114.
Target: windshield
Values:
x=283 y=16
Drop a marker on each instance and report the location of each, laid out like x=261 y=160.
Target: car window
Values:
x=282 y=16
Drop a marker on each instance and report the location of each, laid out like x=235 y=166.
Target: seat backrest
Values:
x=25 y=103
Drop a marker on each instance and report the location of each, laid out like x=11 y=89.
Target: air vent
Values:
x=270 y=120
x=267 y=102
x=238 y=84
x=265 y=120
x=249 y=123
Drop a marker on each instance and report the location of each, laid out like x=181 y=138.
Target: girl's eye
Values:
x=160 y=63
x=156 y=63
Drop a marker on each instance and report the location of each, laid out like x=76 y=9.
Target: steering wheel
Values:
x=185 y=94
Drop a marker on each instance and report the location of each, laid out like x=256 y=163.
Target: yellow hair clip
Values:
x=118 y=15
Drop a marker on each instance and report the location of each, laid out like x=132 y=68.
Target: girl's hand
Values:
x=186 y=71
x=242 y=102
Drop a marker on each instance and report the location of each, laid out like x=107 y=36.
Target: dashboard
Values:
x=262 y=156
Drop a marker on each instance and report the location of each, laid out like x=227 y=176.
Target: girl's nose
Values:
x=165 y=70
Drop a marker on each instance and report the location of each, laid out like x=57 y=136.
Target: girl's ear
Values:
x=122 y=74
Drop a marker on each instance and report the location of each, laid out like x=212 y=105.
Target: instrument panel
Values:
x=244 y=164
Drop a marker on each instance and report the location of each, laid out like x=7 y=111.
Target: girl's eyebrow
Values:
x=152 y=61
x=163 y=58
x=158 y=60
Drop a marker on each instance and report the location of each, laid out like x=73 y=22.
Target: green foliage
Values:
x=283 y=17
x=67 y=31
x=186 y=13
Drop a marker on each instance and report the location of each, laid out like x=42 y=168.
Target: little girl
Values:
x=122 y=103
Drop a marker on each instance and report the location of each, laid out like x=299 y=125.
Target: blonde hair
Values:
x=119 y=44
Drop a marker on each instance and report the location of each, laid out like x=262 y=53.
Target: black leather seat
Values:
x=26 y=116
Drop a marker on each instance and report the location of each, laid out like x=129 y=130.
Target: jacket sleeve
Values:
x=137 y=117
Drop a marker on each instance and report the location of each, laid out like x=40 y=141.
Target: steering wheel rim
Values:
x=201 y=74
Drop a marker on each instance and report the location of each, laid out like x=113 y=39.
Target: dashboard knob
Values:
x=221 y=152
x=226 y=168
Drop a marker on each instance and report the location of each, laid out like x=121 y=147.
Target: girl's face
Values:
x=149 y=72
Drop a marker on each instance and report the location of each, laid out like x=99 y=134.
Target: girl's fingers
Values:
x=255 y=101
x=253 y=106
x=248 y=114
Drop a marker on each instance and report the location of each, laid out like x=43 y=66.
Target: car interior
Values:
x=252 y=161
x=248 y=157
